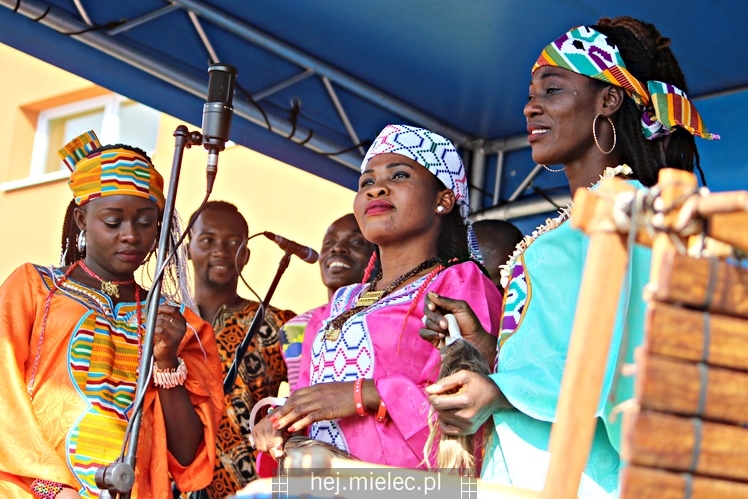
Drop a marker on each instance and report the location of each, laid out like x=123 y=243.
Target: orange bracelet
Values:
x=358 y=397
x=382 y=412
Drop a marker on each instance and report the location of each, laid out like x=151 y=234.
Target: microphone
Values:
x=217 y=113
x=306 y=253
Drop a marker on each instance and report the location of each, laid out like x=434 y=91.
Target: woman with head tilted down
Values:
x=606 y=100
x=71 y=346
x=367 y=366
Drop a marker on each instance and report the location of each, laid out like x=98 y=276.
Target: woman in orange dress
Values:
x=71 y=346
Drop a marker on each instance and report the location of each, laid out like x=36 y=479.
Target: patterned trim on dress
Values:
x=103 y=367
x=351 y=355
x=552 y=223
x=516 y=297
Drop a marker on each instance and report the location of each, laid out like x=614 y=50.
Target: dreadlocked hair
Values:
x=647 y=56
x=458 y=452
x=175 y=285
x=69 y=253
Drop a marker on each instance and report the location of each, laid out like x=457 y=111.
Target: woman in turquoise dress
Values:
x=604 y=100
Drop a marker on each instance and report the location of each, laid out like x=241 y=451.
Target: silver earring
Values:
x=594 y=134
x=552 y=170
x=82 y=241
x=439 y=209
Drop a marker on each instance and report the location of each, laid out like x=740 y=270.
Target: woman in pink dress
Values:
x=368 y=366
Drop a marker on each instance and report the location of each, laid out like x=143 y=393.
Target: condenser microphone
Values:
x=217 y=112
x=306 y=253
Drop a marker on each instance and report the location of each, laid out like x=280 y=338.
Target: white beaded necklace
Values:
x=553 y=223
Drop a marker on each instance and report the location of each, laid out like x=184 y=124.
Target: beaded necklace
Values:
x=552 y=223
x=48 y=301
x=110 y=288
x=369 y=298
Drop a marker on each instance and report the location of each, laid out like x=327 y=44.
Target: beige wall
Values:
x=272 y=195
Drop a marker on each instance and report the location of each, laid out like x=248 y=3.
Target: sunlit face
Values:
x=396 y=199
x=120 y=231
x=217 y=236
x=559 y=112
x=345 y=253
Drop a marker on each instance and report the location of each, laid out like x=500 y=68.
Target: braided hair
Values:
x=647 y=56
x=70 y=231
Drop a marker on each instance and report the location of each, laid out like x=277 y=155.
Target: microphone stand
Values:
x=259 y=318
x=119 y=477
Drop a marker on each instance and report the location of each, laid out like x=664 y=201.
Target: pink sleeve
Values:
x=406 y=401
x=477 y=290
x=311 y=330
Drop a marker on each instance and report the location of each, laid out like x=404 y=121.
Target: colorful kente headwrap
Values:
x=589 y=53
x=109 y=172
x=438 y=155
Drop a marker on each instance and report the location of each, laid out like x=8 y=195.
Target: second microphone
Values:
x=306 y=253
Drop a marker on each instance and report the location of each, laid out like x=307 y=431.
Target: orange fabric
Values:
x=33 y=442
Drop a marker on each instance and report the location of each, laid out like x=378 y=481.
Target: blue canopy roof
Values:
x=330 y=74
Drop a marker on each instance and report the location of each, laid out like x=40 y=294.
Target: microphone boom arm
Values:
x=259 y=318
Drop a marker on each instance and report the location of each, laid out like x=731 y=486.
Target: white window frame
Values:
x=109 y=127
x=108 y=134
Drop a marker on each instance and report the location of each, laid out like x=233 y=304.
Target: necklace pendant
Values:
x=332 y=334
x=110 y=288
x=369 y=298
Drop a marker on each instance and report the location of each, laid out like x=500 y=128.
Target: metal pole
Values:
x=477 y=175
x=120 y=476
x=499 y=174
x=525 y=183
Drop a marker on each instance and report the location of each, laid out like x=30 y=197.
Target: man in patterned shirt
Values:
x=217 y=235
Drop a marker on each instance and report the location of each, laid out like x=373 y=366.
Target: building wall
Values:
x=272 y=195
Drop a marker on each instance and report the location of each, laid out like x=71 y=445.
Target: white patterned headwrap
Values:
x=435 y=153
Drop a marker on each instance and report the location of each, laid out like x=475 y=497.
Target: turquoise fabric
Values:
x=539 y=308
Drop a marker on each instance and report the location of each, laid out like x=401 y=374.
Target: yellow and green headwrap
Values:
x=589 y=53
x=110 y=172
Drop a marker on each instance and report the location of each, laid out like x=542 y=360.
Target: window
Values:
x=114 y=118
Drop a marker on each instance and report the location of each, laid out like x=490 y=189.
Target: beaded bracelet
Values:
x=382 y=412
x=47 y=489
x=358 y=397
x=170 y=378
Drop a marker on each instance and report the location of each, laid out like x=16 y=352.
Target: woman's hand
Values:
x=170 y=329
x=267 y=439
x=184 y=428
x=464 y=401
x=321 y=402
x=435 y=307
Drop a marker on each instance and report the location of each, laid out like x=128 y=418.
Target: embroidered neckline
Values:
x=553 y=223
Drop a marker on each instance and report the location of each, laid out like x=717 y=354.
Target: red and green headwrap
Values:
x=109 y=172
x=589 y=53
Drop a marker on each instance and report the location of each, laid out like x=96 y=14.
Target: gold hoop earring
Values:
x=594 y=134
